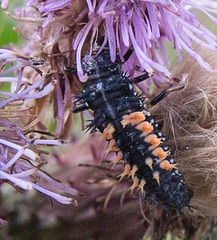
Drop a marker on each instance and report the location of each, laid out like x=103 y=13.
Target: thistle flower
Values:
x=146 y=26
x=21 y=166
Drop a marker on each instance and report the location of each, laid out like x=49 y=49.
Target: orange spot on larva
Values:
x=145 y=127
x=133 y=118
x=156 y=176
x=167 y=165
x=127 y=171
x=133 y=171
x=119 y=157
x=135 y=184
x=141 y=185
x=111 y=147
x=153 y=140
x=160 y=153
x=108 y=132
x=149 y=162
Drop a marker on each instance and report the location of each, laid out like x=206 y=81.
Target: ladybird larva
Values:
x=120 y=114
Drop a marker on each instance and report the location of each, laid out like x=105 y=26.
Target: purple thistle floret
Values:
x=20 y=161
x=146 y=26
x=53 y=5
x=31 y=90
x=20 y=165
x=4 y=4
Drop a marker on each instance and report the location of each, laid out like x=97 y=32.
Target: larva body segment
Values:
x=121 y=116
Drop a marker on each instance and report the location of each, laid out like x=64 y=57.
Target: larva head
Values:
x=99 y=63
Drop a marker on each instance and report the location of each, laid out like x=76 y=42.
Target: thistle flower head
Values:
x=145 y=26
x=20 y=165
x=21 y=142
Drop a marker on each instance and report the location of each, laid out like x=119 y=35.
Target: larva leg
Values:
x=164 y=93
x=128 y=54
x=80 y=108
x=69 y=70
x=142 y=77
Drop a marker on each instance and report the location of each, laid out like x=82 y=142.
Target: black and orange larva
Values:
x=122 y=118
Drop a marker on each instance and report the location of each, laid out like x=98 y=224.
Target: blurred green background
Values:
x=7 y=32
